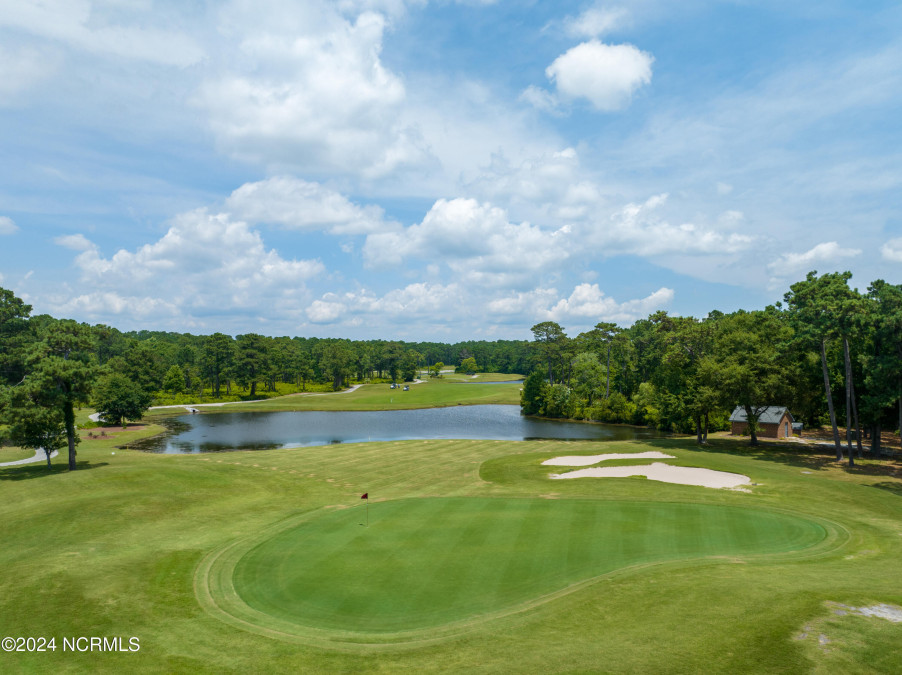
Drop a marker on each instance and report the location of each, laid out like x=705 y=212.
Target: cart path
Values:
x=39 y=456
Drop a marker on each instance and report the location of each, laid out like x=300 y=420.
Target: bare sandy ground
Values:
x=665 y=473
x=882 y=611
x=587 y=460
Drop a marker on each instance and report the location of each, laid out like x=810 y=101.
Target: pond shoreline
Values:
x=264 y=429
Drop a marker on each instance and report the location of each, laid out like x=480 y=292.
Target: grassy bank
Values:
x=430 y=394
x=13 y=454
x=123 y=547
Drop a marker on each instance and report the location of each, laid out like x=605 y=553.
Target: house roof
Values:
x=772 y=414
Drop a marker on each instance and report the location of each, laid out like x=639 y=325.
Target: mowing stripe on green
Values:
x=428 y=562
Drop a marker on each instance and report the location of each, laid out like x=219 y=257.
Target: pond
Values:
x=268 y=430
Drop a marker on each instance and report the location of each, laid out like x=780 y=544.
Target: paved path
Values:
x=39 y=456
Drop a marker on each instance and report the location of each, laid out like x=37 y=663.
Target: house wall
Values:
x=764 y=430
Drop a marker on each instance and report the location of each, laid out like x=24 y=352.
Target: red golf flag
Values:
x=365 y=495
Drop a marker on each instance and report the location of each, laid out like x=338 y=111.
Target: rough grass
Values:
x=118 y=547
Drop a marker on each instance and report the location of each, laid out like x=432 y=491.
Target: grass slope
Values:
x=119 y=547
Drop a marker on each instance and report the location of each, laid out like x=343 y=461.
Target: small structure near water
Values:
x=774 y=421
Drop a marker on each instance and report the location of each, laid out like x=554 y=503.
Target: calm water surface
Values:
x=267 y=430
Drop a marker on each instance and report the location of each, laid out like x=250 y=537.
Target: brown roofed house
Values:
x=775 y=421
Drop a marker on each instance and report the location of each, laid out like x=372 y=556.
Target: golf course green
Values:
x=421 y=563
x=473 y=559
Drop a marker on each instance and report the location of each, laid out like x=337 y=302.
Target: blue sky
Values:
x=441 y=170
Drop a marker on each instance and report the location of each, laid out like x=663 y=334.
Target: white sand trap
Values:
x=586 y=460
x=681 y=475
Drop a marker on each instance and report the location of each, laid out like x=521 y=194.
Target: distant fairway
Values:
x=428 y=562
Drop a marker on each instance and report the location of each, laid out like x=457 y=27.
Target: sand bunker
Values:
x=586 y=460
x=682 y=475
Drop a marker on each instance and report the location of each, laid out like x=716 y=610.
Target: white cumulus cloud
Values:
x=405 y=304
x=204 y=264
x=606 y=75
x=310 y=91
x=323 y=311
x=303 y=205
x=790 y=264
x=475 y=240
x=528 y=303
x=589 y=302
x=640 y=230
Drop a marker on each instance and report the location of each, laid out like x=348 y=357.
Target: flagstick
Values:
x=367 y=511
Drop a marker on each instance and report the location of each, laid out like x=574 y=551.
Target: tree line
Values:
x=830 y=353
x=49 y=367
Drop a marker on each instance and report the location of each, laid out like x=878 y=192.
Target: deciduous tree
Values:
x=117 y=399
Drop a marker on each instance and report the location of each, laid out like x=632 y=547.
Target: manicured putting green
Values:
x=424 y=563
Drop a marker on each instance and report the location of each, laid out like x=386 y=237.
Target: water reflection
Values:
x=269 y=430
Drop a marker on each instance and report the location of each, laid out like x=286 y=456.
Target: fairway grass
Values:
x=430 y=394
x=473 y=560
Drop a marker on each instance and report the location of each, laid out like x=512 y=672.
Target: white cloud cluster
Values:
x=587 y=304
x=793 y=264
x=309 y=91
x=528 y=303
x=402 y=303
x=637 y=229
x=102 y=305
x=476 y=241
x=605 y=75
x=7 y=226
x=205 y=263
x=549 y=187
x=588 y=301
x=892 y=250
x=303 y=205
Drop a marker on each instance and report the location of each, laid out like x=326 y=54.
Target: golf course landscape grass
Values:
x=422 y=563
x=430 y=394
x=468 y=557
x=13 y=454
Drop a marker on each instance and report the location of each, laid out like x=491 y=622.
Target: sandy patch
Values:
x=665 y=473
x=881 y=611
x=586 y=460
